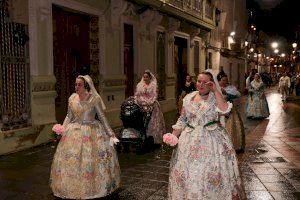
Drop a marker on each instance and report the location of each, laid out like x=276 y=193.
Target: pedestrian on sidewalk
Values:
x=189 y=86
x=85 y=163
x=297 y=85
x=204 y=164
x=234 y=124
x=257 y=105
x=284 y=85
x=146 y=97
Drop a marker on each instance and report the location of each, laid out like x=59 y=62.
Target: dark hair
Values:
x=209 y=75
x=221 y=76
x=149 y=74
x=85 y=84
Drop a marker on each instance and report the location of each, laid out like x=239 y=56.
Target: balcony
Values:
x=199 y=12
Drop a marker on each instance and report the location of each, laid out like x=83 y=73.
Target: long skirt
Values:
x=235 y=128
x=204 y=167
x=156 y=126
x=257 y=106
x=85 y=166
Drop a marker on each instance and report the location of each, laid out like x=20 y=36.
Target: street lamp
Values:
x=294 y=45
x=274 y=45
x=276 y=51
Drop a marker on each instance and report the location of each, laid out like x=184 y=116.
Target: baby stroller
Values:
x=134 y=128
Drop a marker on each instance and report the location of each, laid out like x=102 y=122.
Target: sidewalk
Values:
x=271 y=164
x=270 y=167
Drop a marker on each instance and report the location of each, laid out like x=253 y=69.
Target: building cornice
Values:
x=198 y=20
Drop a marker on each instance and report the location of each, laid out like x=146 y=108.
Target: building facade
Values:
x=227 y=48
x=45 y=44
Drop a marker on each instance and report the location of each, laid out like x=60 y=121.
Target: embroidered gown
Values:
x=146 y=98
x=85 y=165
x=204 y=165
x=257 y=105
x=234 y=124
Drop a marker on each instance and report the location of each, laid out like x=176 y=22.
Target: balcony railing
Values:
x=193 y=6
x=199 y=12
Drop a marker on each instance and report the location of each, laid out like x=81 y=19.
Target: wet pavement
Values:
x=270 y=166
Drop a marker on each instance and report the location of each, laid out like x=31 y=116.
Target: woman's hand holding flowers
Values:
x=170 y=139
x=58 y=129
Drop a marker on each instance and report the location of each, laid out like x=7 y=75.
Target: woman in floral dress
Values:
x=146 y=97
x=204 y=165
x=257 y=105
x=85 y=164
x=234 y=124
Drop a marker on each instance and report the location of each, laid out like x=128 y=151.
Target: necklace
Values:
x=203 y=95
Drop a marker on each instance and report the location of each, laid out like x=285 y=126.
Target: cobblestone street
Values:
x=270 y=166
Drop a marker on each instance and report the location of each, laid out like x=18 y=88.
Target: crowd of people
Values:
x=208 y=134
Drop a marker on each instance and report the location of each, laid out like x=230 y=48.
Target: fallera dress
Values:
x=234 y=124
x=204 y=165
x=85 y=165
x=257 y=105
x=146 y=98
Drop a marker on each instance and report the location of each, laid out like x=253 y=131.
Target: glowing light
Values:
x=274 y=45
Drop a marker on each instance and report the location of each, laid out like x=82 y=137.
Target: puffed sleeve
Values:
x=70 y=114
x=102 y=117
x=229 y=107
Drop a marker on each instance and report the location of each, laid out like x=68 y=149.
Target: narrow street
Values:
x=270 y=166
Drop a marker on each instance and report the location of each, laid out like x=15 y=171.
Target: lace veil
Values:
x=93 y=90
x=153 y=81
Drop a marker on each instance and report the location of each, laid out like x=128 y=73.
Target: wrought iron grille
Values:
x=14 y=73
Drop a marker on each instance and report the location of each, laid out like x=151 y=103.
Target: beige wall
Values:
x=38 y=15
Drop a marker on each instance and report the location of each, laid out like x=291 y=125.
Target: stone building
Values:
x=227 y=41
x=45 y=44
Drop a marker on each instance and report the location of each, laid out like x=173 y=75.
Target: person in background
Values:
x=234 y=124
x=85 y=164
x=188 y=87
x=293 y=83
x=297 y=86
x=257 y=105
x=284 y=85
x=146 y=97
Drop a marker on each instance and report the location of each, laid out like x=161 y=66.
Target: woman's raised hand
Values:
x=211 y=86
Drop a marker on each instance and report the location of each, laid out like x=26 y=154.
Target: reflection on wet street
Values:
x=270 y=166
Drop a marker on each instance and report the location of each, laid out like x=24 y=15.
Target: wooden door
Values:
x=180 y=53
x=71 y=54
x=128 y=60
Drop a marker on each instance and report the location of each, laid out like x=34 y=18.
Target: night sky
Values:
x=276 y=17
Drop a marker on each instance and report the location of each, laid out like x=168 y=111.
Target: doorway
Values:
x=71 y=53
x=180 y=62
x=128 y=60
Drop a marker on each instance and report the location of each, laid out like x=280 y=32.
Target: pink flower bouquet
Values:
x=58 y=129
x=170 y=139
